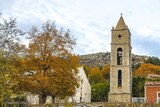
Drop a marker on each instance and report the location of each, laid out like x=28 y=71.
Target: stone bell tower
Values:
x=121 y=64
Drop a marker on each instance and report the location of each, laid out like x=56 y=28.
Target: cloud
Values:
x=145 y=45
x=91 y=21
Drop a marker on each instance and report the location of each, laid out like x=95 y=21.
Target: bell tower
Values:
x=121 y=64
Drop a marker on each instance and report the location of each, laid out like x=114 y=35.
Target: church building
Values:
x=121 y=63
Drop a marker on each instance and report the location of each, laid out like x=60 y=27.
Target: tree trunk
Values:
x=42 y=98
x=53 y=99
x=54 y=103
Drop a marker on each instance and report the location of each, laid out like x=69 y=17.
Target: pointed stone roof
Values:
x=121 y=24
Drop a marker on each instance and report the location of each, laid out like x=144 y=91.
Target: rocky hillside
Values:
x=102 y=58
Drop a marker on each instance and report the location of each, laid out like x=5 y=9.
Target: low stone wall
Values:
x=93 y=104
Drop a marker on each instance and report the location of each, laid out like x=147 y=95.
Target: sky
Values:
x=90 y=21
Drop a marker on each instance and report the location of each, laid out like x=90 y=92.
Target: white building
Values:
x=83 y=93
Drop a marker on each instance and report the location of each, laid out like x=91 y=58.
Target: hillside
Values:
x=103 y=58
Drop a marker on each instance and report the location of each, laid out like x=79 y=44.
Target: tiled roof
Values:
x=152 y=84
x=153 y=76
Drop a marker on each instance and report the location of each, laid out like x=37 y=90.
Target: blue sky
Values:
x=90 y=21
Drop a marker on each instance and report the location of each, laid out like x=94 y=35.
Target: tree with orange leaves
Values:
x=106 y=71
x=49 y=68
x=95 y=76
x=146 y=69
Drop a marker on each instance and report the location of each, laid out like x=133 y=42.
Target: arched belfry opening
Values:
x=119 y=56
x=121 y=63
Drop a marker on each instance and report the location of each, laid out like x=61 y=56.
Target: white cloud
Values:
x=90 y=21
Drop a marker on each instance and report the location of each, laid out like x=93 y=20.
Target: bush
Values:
x=100 y=92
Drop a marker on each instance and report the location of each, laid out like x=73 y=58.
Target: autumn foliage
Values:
x=106 y=71
x=146 y=69
x=47 y=67
x=99 y=80
x=95 y=76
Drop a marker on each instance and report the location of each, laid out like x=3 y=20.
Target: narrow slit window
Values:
x=119 y=78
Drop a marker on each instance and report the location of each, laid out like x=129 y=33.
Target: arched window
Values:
x=119 y=78
x=119 y=56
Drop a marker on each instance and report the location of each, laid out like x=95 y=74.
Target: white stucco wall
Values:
x=84 y=91
x=32 y=98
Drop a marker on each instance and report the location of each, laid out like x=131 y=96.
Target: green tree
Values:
x=87 y=70
x=10 y=48
x=100 y=92
x=153 y=60
x=138 y=86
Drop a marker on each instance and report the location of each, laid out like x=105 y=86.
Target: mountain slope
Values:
x=103 y=58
